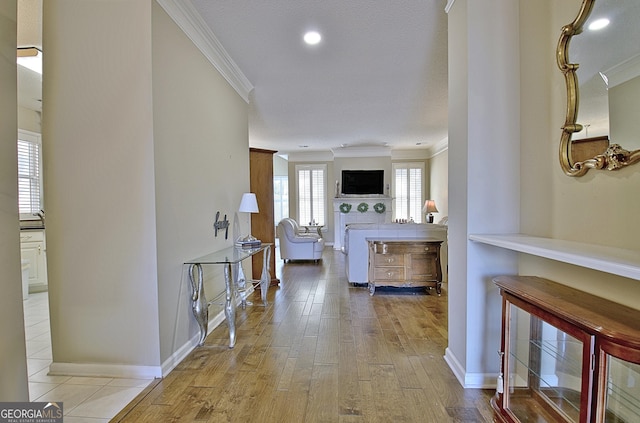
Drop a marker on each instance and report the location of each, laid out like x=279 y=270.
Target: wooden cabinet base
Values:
x=405 y=264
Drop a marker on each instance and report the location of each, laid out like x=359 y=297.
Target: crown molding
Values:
x=364 y=151
x=623 y=72
x=410 y=154
x=439 y=147
x=190 y=21
x=310 y=156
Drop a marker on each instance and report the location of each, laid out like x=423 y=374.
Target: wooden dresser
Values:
x=404 y=263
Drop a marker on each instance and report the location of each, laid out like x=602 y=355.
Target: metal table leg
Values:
x=265 y=277
x=230 y=304
x=199 y=304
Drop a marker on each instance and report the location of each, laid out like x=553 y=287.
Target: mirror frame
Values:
x=615 y=157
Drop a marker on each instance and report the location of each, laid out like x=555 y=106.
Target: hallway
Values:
x=322 y=350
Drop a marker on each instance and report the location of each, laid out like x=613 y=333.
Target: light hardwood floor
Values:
x=322 y=351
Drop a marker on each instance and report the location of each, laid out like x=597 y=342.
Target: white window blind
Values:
x=311 y=183
x=408 y=188
x=29 y=174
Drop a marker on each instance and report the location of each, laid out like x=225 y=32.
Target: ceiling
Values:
x=378 y=79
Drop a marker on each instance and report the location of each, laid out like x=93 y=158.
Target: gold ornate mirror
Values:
x=609 y=63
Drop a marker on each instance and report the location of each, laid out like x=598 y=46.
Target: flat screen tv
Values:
x=362 y=182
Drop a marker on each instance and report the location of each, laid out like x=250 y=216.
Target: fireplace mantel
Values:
x=341 y=220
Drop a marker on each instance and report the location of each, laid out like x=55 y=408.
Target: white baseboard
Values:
x=469 y=380
x=132 y=371
x=105 y=370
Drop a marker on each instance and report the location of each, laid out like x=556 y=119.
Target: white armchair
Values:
x=296 y=244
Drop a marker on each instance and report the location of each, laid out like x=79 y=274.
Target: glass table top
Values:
x=229 y=255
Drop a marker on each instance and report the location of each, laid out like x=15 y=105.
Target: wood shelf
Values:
x=612 y=260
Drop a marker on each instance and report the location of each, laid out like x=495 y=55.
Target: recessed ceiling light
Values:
x=598 y=24
x=312 y=38
x=303 y=146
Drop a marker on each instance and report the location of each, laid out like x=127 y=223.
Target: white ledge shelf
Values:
x=616 y=261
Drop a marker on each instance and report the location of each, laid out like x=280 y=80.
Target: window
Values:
x=312 y=201
x=280 y=197
x=29 y=173
x=408 y=189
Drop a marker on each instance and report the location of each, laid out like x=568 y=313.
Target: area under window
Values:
x=408 y=191
x=29 y=173
x=311 y=184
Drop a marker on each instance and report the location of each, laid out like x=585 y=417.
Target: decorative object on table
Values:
x=247 y=245
x=379 y=208
x=429 y=208
x=345 y=208
x=220 y=225
x=337 y=189
x=363 y=207
x=248 y=204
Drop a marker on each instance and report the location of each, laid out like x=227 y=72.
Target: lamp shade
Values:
x=249 y=203
x=430 y=206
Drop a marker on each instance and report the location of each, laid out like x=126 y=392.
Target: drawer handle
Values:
x=390 y=260
x=426 y=248
x=389 y=274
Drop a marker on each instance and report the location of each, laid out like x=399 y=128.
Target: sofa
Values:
x=296 y=244
x=356 y=246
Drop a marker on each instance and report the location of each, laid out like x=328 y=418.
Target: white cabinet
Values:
x=33 y=249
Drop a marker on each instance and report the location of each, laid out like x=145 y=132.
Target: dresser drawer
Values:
x=388 y=259
x=388 y=273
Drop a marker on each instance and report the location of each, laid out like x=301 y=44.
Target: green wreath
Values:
x=379 y=208
x=345 y=208
x=363 y=207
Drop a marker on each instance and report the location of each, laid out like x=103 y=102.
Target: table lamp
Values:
x=249 y=204
x=429 y=208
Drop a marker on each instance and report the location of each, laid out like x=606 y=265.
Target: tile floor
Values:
x=85 y=399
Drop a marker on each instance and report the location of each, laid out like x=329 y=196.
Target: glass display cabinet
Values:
x=566 y=355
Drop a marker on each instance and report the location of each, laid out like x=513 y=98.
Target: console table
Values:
x=235 y=284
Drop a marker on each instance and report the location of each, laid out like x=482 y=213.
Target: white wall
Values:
x=524 y=99
x=598 y=208
x=13 y=362
x=100 y=187
x=623 y=107
x=145 y=142
x=438 y=188
x=483 y=176
x=29 y=120
x=201 y=151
